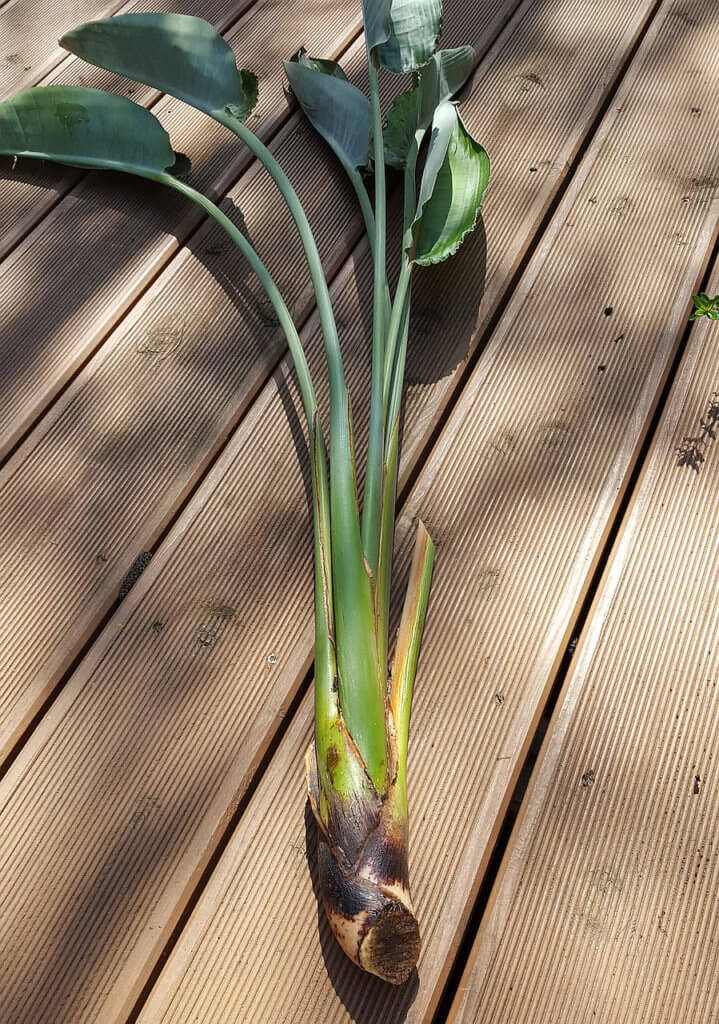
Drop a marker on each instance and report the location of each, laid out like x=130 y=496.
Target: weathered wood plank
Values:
x=103 y=244
x=519 y=494
x=29 y=190
x=119 y=798
x=29 y=33
x=607 y=904
x=152 y=409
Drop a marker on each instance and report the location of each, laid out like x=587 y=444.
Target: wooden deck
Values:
x=156 y=853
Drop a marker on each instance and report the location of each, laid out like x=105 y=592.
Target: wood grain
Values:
x=519 y=494
x=607 y=906
x=29 y=189
x=165 y=722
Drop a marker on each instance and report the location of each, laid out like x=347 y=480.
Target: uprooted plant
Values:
x=357 y=765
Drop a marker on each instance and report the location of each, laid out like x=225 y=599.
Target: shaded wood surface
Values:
x=607 y=907
x=129 y=768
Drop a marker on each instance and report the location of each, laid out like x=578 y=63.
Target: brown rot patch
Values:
x=333 y=758
x=391 y=946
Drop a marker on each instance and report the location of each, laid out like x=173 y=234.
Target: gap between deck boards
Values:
x=666 y=371
x=507 y=834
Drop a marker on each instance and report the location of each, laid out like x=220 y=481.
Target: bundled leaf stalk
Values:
x=357 y=765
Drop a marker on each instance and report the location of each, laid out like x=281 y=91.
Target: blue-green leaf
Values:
x=400 y=128
x=336 y=108
x=175 y=53
x=434 y=83
x=416 y=26
x=84 y=128
x=402 y=33
x=454 y=182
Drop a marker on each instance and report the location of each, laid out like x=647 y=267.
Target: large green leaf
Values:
x=434 y=83
x=454 y=182
x=402 y=33
x=336 y=108
x=174 y=53
x=84 y=128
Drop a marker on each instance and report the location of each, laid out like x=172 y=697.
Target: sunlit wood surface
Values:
x=156 y=855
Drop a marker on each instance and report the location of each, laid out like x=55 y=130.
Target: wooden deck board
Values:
x=607 y=905
x=102 y=724
x=151 y=410
x=103 y=244
x=29 y=32
x=522 y=485
x=29 y=190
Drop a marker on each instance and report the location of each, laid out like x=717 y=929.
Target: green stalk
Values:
x=389 y=498
x=392 y=396
x=371 y=510
x=368 y=214
x=302 y=370
x=364 y=202
x=268 y=161
x=409 y=639
x=394 y=331
x=361 y=681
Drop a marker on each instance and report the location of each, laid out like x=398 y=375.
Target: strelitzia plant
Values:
x=357 y=764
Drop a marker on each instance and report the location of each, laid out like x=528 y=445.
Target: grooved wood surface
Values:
x=137 y=428
x=29 y=189
x=166 y=719
x=102 y=245
x=607 y=905
x=151 y=410
x=30 y=30
x=519 y=494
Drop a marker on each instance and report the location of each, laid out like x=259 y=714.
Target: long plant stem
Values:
x=393 y=332
x=371 y=509
x=365 y=203
x=307 y=391
x=393 y=380
x=368 y=215
x=389 y=497
x=361 y=682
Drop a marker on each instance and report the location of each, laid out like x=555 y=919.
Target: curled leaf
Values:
x=454 y=182
x=175 y=53
x=413 y=111
x=402 y=33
